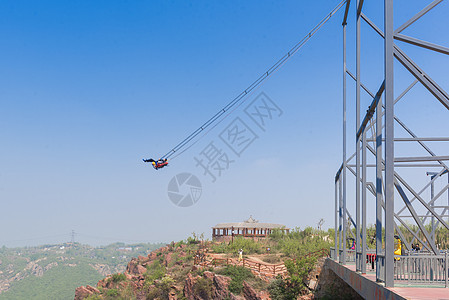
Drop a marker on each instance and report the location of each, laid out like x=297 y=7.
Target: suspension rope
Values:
x=252 y=86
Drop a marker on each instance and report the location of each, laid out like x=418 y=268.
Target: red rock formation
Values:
x=189 y=291
x=135 y=267
x=211 y=286
x=85 y=291
x=250 y=294
x=221 y=284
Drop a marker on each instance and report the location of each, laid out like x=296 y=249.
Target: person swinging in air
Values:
x=160 y=163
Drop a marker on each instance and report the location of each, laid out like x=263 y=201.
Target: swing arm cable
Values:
x=256 y=83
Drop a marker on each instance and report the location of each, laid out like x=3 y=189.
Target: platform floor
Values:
x=368 y=288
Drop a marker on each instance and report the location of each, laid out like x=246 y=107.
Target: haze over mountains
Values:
x=54 y=271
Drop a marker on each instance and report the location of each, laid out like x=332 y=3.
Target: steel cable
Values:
x=251 y=87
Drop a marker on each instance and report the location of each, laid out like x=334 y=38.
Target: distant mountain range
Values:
x=55 y=271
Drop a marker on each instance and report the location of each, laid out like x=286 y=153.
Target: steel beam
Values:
x=422 y=190
x=371 y=109
x=358 y=82
x=415 y=216
x=402 y=166
x=415 y=194
x=343 y=224
x=337 y=217
x=420 y=43
x=413 y=68
x=421 y=158
x=379 y=184
x=363 y=270
x=421 y=139
x=419 y=74
x=417 y=16
x=345 y=17
x=389 y=143
x=344 y=136
x=359 y=6
x=350 y=218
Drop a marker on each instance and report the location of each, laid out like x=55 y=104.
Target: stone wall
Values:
x=328 y=285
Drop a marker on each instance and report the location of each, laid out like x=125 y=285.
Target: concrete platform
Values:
x=367 y=287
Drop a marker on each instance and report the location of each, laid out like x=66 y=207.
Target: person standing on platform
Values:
x=240 y=255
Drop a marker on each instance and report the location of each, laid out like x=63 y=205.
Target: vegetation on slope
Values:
x=54 y=271
x=171 y=270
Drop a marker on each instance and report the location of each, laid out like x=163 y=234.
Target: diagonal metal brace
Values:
x=422 y=77
x=418 y=15
x=420 y=43
x=413 y=68
x=415 y=216
x=371 y=109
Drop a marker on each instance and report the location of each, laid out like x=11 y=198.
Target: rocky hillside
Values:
x=194 y=270
x=54 y=271
x=172 y=273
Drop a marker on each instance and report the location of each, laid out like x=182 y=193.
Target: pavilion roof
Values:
x=250 y=223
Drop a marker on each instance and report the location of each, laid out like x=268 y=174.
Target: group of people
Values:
x=415 y=247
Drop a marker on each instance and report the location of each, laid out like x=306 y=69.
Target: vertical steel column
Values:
x=337 y=217
x=363 y=258
x=343 y=171
x=357 y=144
x=432 y=204
x=378 y=187
x=342 y=221
x=389 y=144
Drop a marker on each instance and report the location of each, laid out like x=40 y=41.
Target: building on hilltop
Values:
x=250 y=228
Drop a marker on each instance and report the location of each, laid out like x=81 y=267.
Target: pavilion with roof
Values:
x=250 y=228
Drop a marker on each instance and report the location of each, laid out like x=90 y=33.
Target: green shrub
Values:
x=278 y=290
x=161 y=288
x=112 y=293
x=249 y=246
x=155 y=271
x=118 y=277
x=271 y=259
x=237 y=274
x=292 y=286
x=203 y=288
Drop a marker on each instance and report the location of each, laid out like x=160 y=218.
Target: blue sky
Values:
x=89 y=88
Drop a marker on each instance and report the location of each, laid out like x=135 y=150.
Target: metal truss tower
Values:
x=375 y=138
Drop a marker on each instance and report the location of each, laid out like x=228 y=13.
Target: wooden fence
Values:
x=259 y=267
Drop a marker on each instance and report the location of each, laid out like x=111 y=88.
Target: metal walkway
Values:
x=367 y=287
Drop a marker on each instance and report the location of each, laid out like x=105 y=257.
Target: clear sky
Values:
x=89 y=88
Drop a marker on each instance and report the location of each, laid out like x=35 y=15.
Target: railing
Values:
x=319 y=253
x=359 y=261
x=333 y=253
x=417 y=267
x=266 y=269
x=274 y=270
x=220 y=261
x=427 y=269
x=350 y=255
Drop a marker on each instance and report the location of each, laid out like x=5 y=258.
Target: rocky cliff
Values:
x=173 y=272
x=170 y=273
